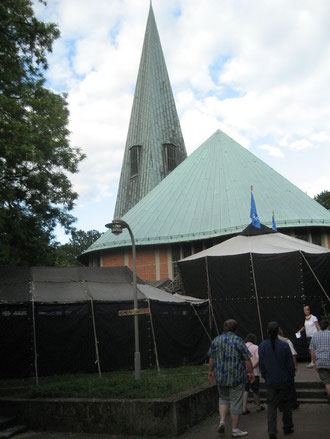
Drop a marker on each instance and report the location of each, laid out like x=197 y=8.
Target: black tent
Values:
x=77 y=319
x=259 y=276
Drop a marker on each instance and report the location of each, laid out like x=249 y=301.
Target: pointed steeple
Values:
x=154 y=145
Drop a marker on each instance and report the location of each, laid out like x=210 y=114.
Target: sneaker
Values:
x=238 y=433
x=272 y=436
x=288 y=431
x=310 y=365
x=221 y=428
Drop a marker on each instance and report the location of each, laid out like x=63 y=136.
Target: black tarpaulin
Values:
x=256 y=279
x=67 y=320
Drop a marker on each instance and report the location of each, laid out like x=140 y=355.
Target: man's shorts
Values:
x=232 y=396
x=324 y=375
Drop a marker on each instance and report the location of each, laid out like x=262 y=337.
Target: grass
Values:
x=118 y=384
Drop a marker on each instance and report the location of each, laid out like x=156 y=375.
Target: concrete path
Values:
x=312 y=421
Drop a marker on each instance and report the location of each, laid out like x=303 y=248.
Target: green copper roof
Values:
x=208 y=195
x=154 y=122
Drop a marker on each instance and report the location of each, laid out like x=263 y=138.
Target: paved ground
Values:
x=312 y=421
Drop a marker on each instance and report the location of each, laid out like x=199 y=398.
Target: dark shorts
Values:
x=324 y=375
x=254 y=386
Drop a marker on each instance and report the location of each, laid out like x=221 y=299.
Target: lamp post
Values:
x=117 y=227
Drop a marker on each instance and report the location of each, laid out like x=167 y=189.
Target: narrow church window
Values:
x=170 y=156
x=135 y=159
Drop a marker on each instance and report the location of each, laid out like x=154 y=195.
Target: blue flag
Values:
x=253 y=213
x=274 y=223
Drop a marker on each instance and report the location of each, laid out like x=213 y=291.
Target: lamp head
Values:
x=116 y=227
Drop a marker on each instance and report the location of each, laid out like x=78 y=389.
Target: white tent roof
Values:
x=263 y=244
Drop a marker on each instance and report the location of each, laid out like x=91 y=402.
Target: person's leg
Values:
x=223 y=411
x=223 y=407
x=236 y=406
x=286 y=402
x=245 y=401
x=256 y=395
x=272 y=401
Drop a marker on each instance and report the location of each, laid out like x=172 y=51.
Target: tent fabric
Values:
x=263 y=244
x=255 y=279
x=251 y=230
x=73 y=316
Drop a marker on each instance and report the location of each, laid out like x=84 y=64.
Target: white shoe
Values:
x=310 y=365
x=239 y=433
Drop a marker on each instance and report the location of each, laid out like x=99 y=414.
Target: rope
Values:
x=210 y=298
x=201 y=321
x=314 y=275
x=257 y=299
x=154 y=338
x=34 y=334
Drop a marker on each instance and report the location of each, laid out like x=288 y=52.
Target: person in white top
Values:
x=311 y=326
x=251 y=344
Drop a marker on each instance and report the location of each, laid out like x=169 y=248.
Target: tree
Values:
x=323 y=198
x=66 y=254
x=35 y=156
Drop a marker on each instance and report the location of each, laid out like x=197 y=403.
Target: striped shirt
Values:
x=320 y=344
x=229 y=353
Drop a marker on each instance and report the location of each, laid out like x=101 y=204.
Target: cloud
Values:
x=257 y=70
x=272 y=150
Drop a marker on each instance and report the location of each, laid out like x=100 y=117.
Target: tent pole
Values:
x=34 y=334
x=257 y=299
x=95 y=340
x=200 y=320
x=210 y=297
x=314 y=275
x=85 y=288
x=154 y=338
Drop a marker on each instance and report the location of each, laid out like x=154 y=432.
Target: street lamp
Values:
x=117 y=227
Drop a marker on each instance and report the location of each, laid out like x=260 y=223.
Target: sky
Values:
x=258 y=70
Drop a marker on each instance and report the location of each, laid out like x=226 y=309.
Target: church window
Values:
x=135 y=153
x=170 y=156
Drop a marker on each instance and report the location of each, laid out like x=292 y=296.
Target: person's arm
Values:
x=301 y=329
x=317 y=325
x=249 y=368
x=313 y=360
x=295 y=362
x=211 y=377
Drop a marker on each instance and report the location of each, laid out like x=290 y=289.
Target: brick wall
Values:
x=145 y=262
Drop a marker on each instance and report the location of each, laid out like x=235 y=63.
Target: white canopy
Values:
x=263 y=244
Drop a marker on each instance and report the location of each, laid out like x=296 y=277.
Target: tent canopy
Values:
x=272 y=243
x=77 y=284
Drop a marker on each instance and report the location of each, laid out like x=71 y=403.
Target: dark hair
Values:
x=230 y=325
x=272 y=329
x=324 y=324
x=252 y=338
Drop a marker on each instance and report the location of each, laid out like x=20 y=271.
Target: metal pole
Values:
x=137 y=356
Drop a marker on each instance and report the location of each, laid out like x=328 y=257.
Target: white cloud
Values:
x=272 y=150
x=298 y=145
x=257 y=70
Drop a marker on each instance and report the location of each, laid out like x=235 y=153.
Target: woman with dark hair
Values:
x=251 y=344
x=278 y=370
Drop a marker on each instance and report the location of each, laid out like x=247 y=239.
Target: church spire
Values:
x=154 y=145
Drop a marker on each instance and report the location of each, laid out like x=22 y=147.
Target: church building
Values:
x=178 y=205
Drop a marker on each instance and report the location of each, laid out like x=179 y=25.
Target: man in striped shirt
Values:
x=320 y=351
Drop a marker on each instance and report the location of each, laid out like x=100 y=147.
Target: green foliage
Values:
x=66 y=254
x=324 y=199
x=118 y=384
x=35 y=155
